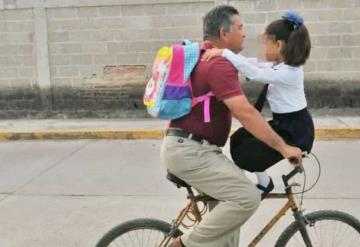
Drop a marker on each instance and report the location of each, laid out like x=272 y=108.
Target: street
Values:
x=69 y=193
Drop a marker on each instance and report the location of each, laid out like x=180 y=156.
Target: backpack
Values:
x=168 y=93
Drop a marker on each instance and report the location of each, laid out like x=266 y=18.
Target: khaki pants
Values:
x=207 y=169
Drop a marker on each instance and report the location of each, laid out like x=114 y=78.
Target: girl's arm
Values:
x=261 y=74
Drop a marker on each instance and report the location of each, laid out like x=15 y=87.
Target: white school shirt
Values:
x=286 y=83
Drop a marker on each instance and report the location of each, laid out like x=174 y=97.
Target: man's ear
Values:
x=223 y=34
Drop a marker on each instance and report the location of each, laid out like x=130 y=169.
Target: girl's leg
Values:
x=255 y=156
x=263 y=178
x=251 y=154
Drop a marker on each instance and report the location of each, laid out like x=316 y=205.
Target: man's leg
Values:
x=206 y=168
x=233 y=236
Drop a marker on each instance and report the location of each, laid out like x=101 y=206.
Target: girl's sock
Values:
x=263 y=178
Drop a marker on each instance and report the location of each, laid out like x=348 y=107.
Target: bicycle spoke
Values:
x=353 y=240
x=142 y=238
x=315 y=237
x=122 y=241
x=337 y=235
x=139 y=238
x=117 y=244
x=132 y=241
x=149 y=238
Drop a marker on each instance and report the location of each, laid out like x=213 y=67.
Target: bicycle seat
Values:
x=177 y=181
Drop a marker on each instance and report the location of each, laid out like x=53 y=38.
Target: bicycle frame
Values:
x=290 y=204
x=192 y=209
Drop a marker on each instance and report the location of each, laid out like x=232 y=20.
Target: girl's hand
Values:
x=209 y=54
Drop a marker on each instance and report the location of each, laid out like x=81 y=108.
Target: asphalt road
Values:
x=69 y=193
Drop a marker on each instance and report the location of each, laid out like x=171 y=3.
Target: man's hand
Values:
x=290 y=153
x=209 y=54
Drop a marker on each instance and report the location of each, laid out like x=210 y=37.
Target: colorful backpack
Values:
x=168 y=93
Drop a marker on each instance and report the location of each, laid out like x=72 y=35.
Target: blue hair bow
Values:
x=294 y=18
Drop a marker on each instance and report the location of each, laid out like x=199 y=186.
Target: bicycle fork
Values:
x=303 y=222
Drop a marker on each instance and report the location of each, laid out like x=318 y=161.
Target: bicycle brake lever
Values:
x=293 y=185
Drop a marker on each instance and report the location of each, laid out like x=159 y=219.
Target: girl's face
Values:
x=273 y=49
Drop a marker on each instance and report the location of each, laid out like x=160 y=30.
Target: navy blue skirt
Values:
x=249 y=153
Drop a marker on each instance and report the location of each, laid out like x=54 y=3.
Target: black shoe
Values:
x=266 y=190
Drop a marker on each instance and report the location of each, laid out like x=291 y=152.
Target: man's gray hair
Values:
x=217 y=18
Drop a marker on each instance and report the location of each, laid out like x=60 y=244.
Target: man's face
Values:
x=234 y=40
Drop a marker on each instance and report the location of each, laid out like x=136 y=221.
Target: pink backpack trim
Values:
x=176 y=73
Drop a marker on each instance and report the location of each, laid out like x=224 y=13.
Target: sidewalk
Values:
x=326 y=127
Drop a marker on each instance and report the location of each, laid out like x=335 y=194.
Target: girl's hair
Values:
x=296 y=38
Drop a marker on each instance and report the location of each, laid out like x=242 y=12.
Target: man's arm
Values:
x=253 y=122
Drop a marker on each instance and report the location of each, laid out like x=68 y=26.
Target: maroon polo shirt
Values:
x=220 y=77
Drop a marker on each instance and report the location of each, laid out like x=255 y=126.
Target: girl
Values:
x=288 y=47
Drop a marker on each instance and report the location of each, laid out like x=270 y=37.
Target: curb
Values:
x=81 y=134
x=325 y=133
x=343 y=133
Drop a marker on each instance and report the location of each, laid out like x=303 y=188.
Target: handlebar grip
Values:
x=294 y=160
x=300 y=168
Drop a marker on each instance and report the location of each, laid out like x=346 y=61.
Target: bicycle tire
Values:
x=320 y=216
x=132 y=226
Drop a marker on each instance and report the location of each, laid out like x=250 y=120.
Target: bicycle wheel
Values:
x=326 y=228
x=137 y=233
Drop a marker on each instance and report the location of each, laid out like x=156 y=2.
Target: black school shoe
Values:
x=266 y=190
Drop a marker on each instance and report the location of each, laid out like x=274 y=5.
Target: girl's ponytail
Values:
x=298 y=46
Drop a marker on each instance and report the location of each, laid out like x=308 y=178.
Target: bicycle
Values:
x=306 y=230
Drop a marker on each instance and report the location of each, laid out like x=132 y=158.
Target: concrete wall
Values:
x=84 y=40
x=17 y=48
x=85 y=36
x=69 y=43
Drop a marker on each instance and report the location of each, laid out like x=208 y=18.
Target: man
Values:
x=191 y=148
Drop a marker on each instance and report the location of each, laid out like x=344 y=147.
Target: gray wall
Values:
x=60 y=51
x=17 y=48
x=83 y=40
x=61 y=42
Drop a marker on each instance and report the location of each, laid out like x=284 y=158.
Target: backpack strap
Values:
x=206 y=99
x=262 y=97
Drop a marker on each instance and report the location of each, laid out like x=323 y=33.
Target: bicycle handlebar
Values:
x=298 y=169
